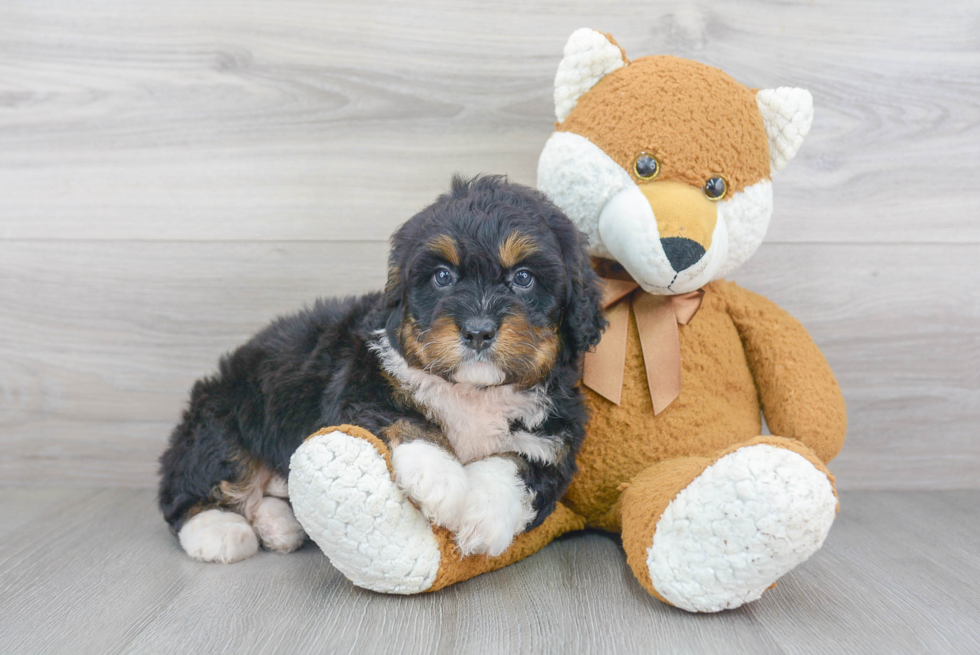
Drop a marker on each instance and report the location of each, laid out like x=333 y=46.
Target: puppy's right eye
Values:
x=443 y=277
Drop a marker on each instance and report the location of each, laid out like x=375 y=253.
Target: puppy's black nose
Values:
x=682 y=253
x=478 y=333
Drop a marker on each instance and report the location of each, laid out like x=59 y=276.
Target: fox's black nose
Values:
x=682 y=253
x=478 y=333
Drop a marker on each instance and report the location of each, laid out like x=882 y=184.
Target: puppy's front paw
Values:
x=432 y=478
x=498 y=508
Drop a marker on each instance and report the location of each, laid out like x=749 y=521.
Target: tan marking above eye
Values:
x=445 y=246
x=514 y=248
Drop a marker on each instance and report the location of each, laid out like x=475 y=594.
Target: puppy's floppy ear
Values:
x=583 y=320
x=401 y=246
x=393 y=286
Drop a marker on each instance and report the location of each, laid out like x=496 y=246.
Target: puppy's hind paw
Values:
x=276 y=526
x=218 y=536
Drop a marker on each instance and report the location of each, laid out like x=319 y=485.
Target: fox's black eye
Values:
x=715 y=188
x=523 y=279
x=443 y=277
x=646 y=167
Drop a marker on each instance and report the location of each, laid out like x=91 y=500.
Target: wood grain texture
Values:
x=900 y=326
x=303 y=119
x=173 y=175
x=97 y=571
x=103 y=340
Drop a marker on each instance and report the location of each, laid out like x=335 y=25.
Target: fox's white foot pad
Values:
x=343 y=495
x=276 y=526
x=745 y=521
x=218 y=536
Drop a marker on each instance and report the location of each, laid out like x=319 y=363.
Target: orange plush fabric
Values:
x=734 y=332
x=695 y=130
x=453 y=568
x=799 y=393
x=718 y=403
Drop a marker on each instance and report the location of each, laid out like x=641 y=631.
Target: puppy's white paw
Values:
x=432 y=478
x=276 y=526
x=218 y=536
x=498 y=507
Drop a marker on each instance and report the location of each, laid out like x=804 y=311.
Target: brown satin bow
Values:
x=657 y=318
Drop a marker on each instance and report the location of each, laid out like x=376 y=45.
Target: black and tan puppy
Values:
x=466 y=366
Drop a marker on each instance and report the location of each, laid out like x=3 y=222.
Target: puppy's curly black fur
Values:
x=490 y=286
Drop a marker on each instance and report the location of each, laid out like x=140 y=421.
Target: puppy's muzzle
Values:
x=479 y=333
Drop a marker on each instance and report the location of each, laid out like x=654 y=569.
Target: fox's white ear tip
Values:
x=787 y=114
x=589 y=56
x=581 y=37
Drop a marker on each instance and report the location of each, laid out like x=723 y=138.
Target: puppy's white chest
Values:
x=477 y=420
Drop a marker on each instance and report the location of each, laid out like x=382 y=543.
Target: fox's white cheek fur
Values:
x=628 y=230
x=580 y=178
x=747 y=216
x=499 y=507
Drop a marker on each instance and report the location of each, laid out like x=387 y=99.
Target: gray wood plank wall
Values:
x=174 y=174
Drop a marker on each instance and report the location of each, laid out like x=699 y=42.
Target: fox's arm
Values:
x=799 y=393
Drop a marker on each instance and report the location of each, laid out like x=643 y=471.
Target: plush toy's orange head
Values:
x=696 y=121
x=665 y=162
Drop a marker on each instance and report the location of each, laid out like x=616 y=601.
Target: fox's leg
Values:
x=343 y=493
x=712 y=533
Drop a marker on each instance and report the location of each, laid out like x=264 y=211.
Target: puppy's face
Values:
x=487 y=280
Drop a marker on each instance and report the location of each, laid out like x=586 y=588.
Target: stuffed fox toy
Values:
x=665 y=164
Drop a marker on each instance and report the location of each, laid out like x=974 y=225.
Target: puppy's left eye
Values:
x=443 y=277
x=523 y=279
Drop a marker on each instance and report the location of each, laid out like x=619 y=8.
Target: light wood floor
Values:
x=96 y=571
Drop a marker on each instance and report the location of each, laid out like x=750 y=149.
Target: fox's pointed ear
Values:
x=588 y=57
x=787 y=114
